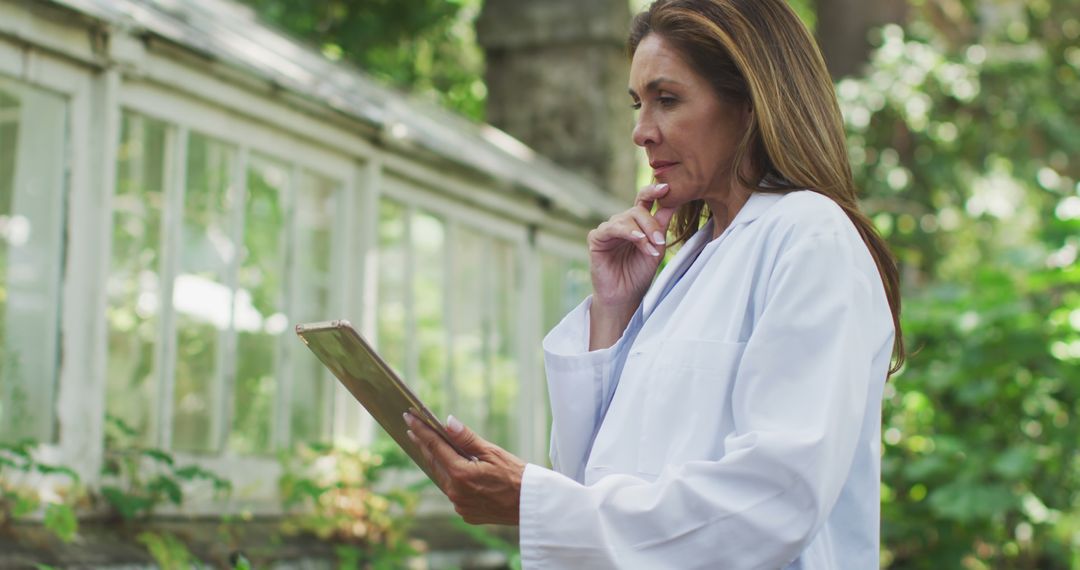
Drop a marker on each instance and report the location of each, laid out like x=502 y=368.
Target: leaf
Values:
x=167 y=550
x=120 y=425
x=54 y=469
x=60 y=519
x=239 y=561
x=25 y=504
x=926 y=467
x=965 y=502
x=159 y=456
x=1016 y=463
x=129 y=506
x=168 y=486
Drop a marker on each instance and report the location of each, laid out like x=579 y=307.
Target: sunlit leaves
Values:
x=425 y=46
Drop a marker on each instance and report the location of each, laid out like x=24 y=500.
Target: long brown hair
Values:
x=758 y=52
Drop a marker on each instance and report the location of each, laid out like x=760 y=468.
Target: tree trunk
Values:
x=843 y=26
x=556 y=75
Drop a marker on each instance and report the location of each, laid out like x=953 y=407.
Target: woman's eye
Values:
x=636 y=105
x=666 y=101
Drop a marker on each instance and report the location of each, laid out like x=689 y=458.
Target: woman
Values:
x=725 y=414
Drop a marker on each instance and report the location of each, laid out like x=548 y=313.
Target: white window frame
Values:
x=79 y=398
x=415 y=195
x=540 y=420
x=156 y=84
x=254 y=477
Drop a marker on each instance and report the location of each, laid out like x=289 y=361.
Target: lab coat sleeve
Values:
x=576 y=380
x=799 y=397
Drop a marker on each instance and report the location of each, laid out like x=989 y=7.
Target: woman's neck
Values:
x=725 y=209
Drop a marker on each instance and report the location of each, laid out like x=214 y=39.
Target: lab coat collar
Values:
x=755 y=205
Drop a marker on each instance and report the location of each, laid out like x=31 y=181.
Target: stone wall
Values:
x=557 y=77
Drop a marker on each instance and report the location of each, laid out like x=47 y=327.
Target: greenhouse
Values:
x=180 y=185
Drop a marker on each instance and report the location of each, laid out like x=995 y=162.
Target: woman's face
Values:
x=687 y=131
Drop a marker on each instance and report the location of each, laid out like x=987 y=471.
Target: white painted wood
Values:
x=287 y=376
x=48 y=30
x=230 y=127
x=176 y=144
x=450 y=312
x=563 y=247
x=367 y=216
x=402 y=191
x=225 y=387
x=412 y=352
x=91 y=152
x=531 y=410
x=104 y=138
x=342 y=276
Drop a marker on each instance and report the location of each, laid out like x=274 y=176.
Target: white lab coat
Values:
x=745 y=428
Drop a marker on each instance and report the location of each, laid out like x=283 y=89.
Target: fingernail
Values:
x=407 y=417
x=412 y=436
x=662 y=186
x=653 y=251
x=637 y=234
x=453 y=424
x=658 y=237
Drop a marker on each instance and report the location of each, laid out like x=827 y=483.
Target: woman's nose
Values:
x=645 y=132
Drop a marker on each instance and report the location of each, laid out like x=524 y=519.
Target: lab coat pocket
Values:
x=687 y=413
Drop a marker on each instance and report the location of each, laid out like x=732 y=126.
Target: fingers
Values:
x=649 y=226
x=430 y=442
x=650 y=194
x=465 y=438
x=619 y=229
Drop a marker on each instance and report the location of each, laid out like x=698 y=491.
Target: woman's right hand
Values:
x=624 y=253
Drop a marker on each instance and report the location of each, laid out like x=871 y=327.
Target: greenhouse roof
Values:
x=231 y=33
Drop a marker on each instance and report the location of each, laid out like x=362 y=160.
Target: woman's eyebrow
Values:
x=653 y=85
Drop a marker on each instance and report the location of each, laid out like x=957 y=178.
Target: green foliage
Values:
x=492 y=542
x=169 y=552
x=330 y=493
x=963 y=133
x=20 y=501
x=145 y=478
x=982 y=433
x=60 y=519
x=425 y=46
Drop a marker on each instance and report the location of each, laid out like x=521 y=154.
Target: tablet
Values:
x=372 y=382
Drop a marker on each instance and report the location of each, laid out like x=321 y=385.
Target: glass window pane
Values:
x=258 y=307
x=502 y=400
x=32 y=169
x=564 y=283
x=313 y=387
x=470 y=328
x=429 y=283
x=391 y=283
x=201 y=299
x=133 y=286
x=392 y=288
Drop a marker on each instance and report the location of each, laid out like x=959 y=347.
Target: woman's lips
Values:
x=661 y=167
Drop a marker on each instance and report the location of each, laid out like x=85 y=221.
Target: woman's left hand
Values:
x=484 y=490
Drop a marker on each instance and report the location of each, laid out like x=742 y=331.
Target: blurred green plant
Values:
x=168 y=551
x=491 y=541
x=144 y=477
x=427 y=47
x=20 y=501
x=963 y=132
x=330 y=493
